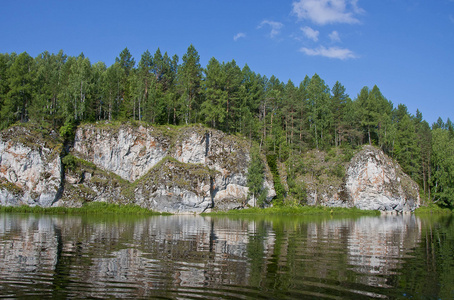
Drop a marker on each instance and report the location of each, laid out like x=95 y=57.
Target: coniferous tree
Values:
x=250 y=94
x=127 y=63
x=99 y=102
x=4 y=86
x=215 y=96
x=406 y=148
x=232 y=82
x=424 y=141
x=369 y=114
x=442 y=179
x=19 y=98
x=145 y=75
x=339 y=101
x=319 y=111
x=189 y=79
x=289 y=110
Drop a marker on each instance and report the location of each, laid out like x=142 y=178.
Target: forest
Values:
x=284 y=118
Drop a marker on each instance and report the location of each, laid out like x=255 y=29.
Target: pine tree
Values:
x=215 y=96
x=18 y=100
x=339 y=101
x=4 y=86
x=126 y=62
x=189 y=78
x=319 y=111
x=406 y=148
x=442 y=179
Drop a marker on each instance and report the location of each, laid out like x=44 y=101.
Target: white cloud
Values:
x=275 y=27
x=332 y=52
x=310 y=33
x=239 y=35
x=327 y=11
x=334 y=36
x=451 y=18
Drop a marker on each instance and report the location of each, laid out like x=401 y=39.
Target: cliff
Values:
x=370 y=180
x=30 y=167
x=180 y=170
x=188 y=169
x=374 y=181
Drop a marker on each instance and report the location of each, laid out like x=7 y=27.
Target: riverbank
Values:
x=298 y=210
x=432 y=209
x=95 y=208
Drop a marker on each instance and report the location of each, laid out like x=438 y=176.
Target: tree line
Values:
x=285 y=119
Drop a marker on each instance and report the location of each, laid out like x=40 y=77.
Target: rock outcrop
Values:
x=189 y=169
x=30 y=167
x=180 y=170
x=373 y=181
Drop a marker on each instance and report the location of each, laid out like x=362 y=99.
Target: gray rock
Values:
x=375 y=182
x=28 y=165
x=137 y=154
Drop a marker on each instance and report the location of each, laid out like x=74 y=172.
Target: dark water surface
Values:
x=193 y=257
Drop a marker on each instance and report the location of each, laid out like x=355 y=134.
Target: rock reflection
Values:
x=27 y=245
x=377 y=245
x=166 y=256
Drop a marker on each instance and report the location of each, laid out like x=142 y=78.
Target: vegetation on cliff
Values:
x=285 y=119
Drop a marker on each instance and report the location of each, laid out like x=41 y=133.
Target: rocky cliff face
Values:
x=189 y=169
x=374 y=182
x=30 y=168
x=180 y=170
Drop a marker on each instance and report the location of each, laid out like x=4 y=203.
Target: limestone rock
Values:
x=373 y=181
x=128 y=151
x=175 y=187
x=133 y=152
x=30 y=168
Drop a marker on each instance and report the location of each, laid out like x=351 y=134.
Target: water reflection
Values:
x=193 y=256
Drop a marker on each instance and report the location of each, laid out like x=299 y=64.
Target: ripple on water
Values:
x=187 y=257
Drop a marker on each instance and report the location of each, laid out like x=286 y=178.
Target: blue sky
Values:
x=405 y=47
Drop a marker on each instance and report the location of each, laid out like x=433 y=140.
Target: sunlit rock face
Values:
x=127 y=151
x=187 y=170
x=30 y=168
x=373 y=181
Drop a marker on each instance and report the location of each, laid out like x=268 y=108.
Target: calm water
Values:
x=193 y=257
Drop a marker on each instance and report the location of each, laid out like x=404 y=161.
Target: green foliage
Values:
x=256 y=177
x=442 y=179
x=286 y=119
x=280 y=191
x=432 y=209
x=93 y=208
x=69 y=161
x=68 y=131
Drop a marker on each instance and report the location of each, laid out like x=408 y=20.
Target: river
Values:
x=195 y=257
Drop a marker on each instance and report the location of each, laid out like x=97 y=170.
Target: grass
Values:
x=94 y=208
x=432 y=209
x=299 y=210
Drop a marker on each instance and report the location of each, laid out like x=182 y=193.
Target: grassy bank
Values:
x=299 y=210
x=95 y=208
x=432 y=209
